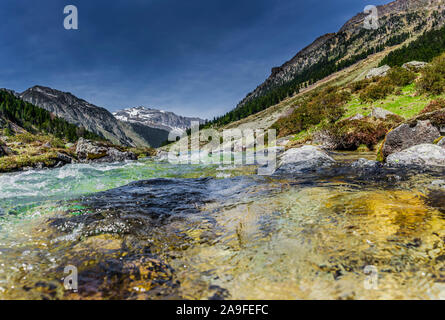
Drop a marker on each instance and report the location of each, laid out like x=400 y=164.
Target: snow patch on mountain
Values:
x=156 y=118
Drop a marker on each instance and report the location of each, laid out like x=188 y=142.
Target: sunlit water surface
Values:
x=150 y=230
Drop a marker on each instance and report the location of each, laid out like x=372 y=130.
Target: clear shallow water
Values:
x=240 y=236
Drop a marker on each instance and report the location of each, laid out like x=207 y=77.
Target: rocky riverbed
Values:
x=153 y=230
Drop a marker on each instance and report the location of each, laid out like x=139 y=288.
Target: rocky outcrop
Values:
x=414 y=65
x=405 y=136
x=64 y=158
x=2 y=149
x=378 y=72
x=380 y=113
x=77 y=111
x=303 y=159
x=91 y=151
x=424 y=155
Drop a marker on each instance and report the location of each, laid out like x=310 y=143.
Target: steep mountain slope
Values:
x=399 y=21
x=156 y=118
x=143 y=135
x=78 y=112
x=93 y=118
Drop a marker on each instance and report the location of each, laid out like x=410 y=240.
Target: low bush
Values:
x=433 y=77
x=401 y=77
x=324 y=106
x=434 y=105
x=378 y=90
x=354 y=134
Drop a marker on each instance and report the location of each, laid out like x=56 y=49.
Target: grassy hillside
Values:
x=328 y=109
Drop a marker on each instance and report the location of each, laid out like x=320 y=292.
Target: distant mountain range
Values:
x=130 y=127
x=156 y=118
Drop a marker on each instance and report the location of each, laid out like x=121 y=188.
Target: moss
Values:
x=93 y=156
x=380 y=156
x=363 y=148
x=13 y=163
x=438 y=140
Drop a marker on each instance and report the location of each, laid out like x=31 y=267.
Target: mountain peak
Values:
x=154 y=118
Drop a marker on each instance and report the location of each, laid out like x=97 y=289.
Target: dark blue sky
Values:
x=192 y=57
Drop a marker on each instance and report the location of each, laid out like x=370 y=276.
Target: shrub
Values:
x=433 y=77
x=401 y=77
x=359 y=85
x=434 y=105
x=354 y=134
x=8 y=132
x=325 y=105
x=378 y=90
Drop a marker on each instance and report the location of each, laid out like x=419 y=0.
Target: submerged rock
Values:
x=378 y=72
x=304 y=158
x=406 y=136
x=88 y=150
x=366 y=164
x=420 y=155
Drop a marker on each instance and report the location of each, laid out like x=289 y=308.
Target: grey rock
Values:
x=424 y=155
x=62 y=157
x=441 y=143
x=304 y=158
x=325 y=140
x=405 y=136
x=365 y=163
x=415 y=65
x=90 y=151
x=380 y=113
x=358 y=116
x=4 y=150
x=378 y=72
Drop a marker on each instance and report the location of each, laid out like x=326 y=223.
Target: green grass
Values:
x=406 y=105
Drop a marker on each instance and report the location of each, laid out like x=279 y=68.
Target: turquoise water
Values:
x=20 y=191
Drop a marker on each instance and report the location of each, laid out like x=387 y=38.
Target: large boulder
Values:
x=4 y=150
x=406 y=135
x=414 y=65
x=423 y=155
x=380 y=113
x=303 y=159
x=378 y=72
x=88 y=151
